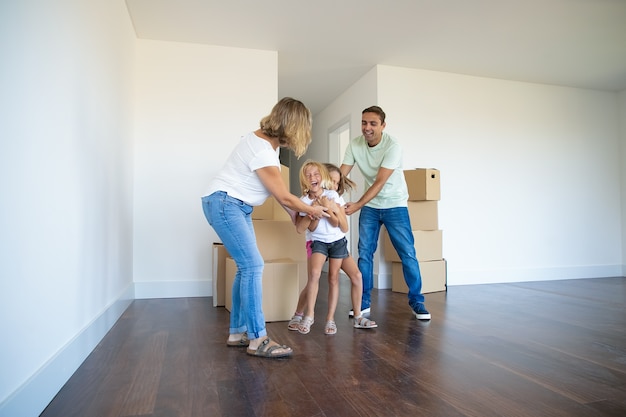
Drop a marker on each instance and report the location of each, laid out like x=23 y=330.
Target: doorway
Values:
x=338 y=140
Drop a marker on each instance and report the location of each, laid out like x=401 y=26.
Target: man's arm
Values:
x=381 y=178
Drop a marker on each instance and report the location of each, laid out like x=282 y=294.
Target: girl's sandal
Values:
x=364 y=323
x=331 y=327
x=305 y=325
x=294 y=322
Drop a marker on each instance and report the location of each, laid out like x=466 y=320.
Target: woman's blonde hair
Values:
x=304 y=183
x=345 y=183
x=290 y=121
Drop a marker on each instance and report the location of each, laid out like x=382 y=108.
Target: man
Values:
x=384 y=202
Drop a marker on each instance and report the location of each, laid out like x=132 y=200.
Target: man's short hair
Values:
x=377 y=110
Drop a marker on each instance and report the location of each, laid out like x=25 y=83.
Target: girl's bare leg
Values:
x=303 y=297
x=351 y=269
x=302 y=300
x=313 y=283
x=333 y=287
x=298 y=315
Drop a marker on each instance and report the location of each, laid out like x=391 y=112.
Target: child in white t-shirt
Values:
x=326 y=240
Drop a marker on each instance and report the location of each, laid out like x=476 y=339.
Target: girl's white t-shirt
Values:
x=238 y=177
x=325 y=232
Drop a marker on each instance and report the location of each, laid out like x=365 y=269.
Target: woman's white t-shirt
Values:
x=238 y=177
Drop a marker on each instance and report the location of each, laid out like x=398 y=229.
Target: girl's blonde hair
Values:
x=345 y=183
x=304 y=183
x=290 y=121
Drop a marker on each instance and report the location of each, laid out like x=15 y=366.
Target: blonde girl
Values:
x=325 y=240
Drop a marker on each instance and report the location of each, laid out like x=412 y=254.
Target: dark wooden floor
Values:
x=553 y=348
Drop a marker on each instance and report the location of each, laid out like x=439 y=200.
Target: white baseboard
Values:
x=382 y=281
x=502 y=276
x=510 y=275
x=173 y=289
x=37 y=392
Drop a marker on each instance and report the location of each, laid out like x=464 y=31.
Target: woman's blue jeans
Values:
x=398 y=225
x=231 y=218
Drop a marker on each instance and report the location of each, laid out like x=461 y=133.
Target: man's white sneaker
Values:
x=420 y=312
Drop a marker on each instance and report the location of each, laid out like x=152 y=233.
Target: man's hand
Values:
x=352 y=208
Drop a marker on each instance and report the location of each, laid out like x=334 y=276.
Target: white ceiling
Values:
x=324 y=46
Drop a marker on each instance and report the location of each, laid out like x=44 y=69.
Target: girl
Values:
x=326 y=239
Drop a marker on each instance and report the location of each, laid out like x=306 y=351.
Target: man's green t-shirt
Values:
x=386 y=154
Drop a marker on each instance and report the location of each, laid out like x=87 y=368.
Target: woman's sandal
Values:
x=294 y=322
x=268 y=350
x=243 y=342
x=305 y=325
x=364 y=323
x=331 y=327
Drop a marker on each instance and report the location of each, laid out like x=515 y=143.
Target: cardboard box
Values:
x=219 y=273
x=278 y=239
x=434 y=277
x=428 y=246
x=270 y=210
x=265 y=211
x=424 y=215
x=423 y=184
x=281 y=287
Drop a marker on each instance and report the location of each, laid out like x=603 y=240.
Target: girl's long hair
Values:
x=304 y=183
x=345 y=183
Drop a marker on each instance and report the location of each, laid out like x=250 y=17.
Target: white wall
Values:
x=66 y=177
x=530 y=173
x=193 y=103
x=85 y=218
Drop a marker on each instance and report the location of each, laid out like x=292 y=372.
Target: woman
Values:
x=249 y=176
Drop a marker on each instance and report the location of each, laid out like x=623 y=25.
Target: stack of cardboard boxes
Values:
x=424 y=195
x=282 y=248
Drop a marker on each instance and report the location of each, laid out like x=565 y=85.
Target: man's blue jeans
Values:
x=398 y=225
x=231 y=218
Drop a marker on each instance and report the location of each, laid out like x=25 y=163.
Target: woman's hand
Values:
x=317 y=212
